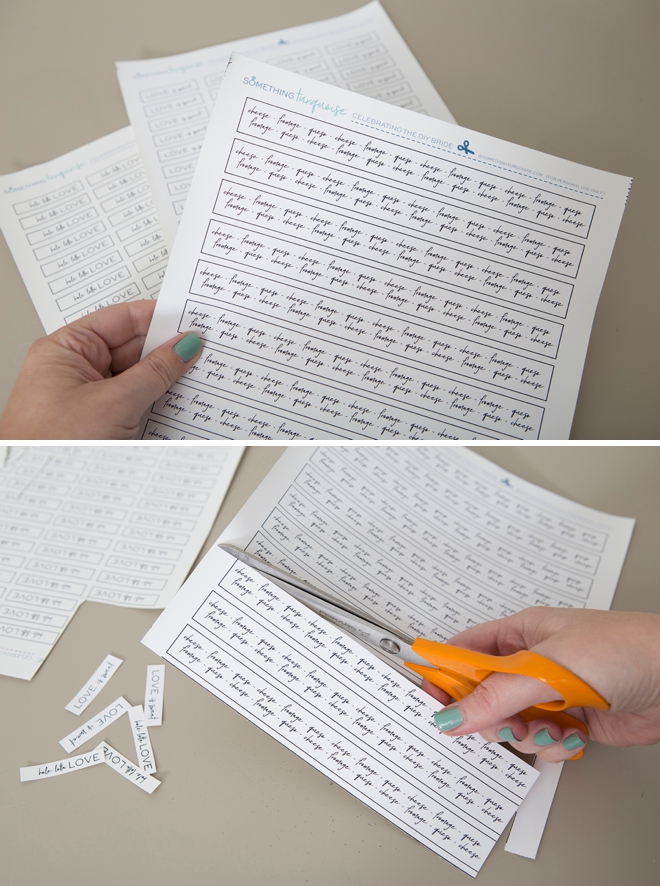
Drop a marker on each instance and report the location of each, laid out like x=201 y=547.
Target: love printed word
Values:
x=141 y=739
x=63 y=767
x=99 y=678
x=153 y=695
x=129 y=770
x=96 y=724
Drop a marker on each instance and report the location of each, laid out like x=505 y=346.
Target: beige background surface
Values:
x=576 y=78
x=235 y=807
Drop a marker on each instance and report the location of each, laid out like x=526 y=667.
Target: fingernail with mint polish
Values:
x=544 y=738
x=506 y=734
x=188 y=347
x=573 y=742
x=448 y=719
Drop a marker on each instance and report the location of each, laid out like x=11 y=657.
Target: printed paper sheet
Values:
x=169 y=100
x=358 y=271
x=83 y=230
x=429 y=540
x=119 y=525
x=347 y=713
x=432 y=541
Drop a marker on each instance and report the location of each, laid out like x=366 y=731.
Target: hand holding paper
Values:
x=86 y=381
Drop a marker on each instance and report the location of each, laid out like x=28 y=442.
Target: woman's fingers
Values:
x=498 y=698
x=492 y=711
x=116 y=324
x=124 y=356
x=546 y=739
x=135 y=389
x=513 y=729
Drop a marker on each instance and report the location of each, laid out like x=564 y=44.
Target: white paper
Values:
x=63 y=767
x=354 y=275
x=153 y=695
x=83 y=230
x=129 y=770
x=96 y=682
x=143 y=749
x=119 y=525
x=433 y=541
x=529 y=823
x=95 y=724
x=169 y=100
x=430 y=540
x=327 y=699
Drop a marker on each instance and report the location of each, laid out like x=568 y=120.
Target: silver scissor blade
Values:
x=392 y=643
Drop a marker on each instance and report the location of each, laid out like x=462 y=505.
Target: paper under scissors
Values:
x=455 y=670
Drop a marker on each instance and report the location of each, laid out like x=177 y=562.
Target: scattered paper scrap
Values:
x=94 y=725
x=129 y=770
x=63 y=767
x=153 y=695
x=96 y=682
x=143 y=749
x=137 y=773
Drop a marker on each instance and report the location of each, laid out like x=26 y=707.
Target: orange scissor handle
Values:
x=459 y=671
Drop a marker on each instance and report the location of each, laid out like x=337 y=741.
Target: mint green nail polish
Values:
x=188 y=347
x=573 y=742
x=506 y=734
x=448 y=719
x=544 y=738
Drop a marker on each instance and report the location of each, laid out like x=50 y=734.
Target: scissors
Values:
x=455 y=670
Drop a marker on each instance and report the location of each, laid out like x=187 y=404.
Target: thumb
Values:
x=500 y=697
x=146 y=381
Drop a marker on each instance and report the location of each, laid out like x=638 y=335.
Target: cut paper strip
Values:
x=129 y=770
x=153 y=695
x=96 y=682
x=63 y=767
x=529 y=823
x=95 y=725
x=141 y=738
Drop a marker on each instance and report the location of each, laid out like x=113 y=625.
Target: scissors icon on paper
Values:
x=458 y=671
x=465 y=147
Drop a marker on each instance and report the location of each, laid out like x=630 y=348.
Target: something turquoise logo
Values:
x=267 y=87
x=314 y=104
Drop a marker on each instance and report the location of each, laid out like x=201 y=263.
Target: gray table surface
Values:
x=575 y=78
x=237 y=807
